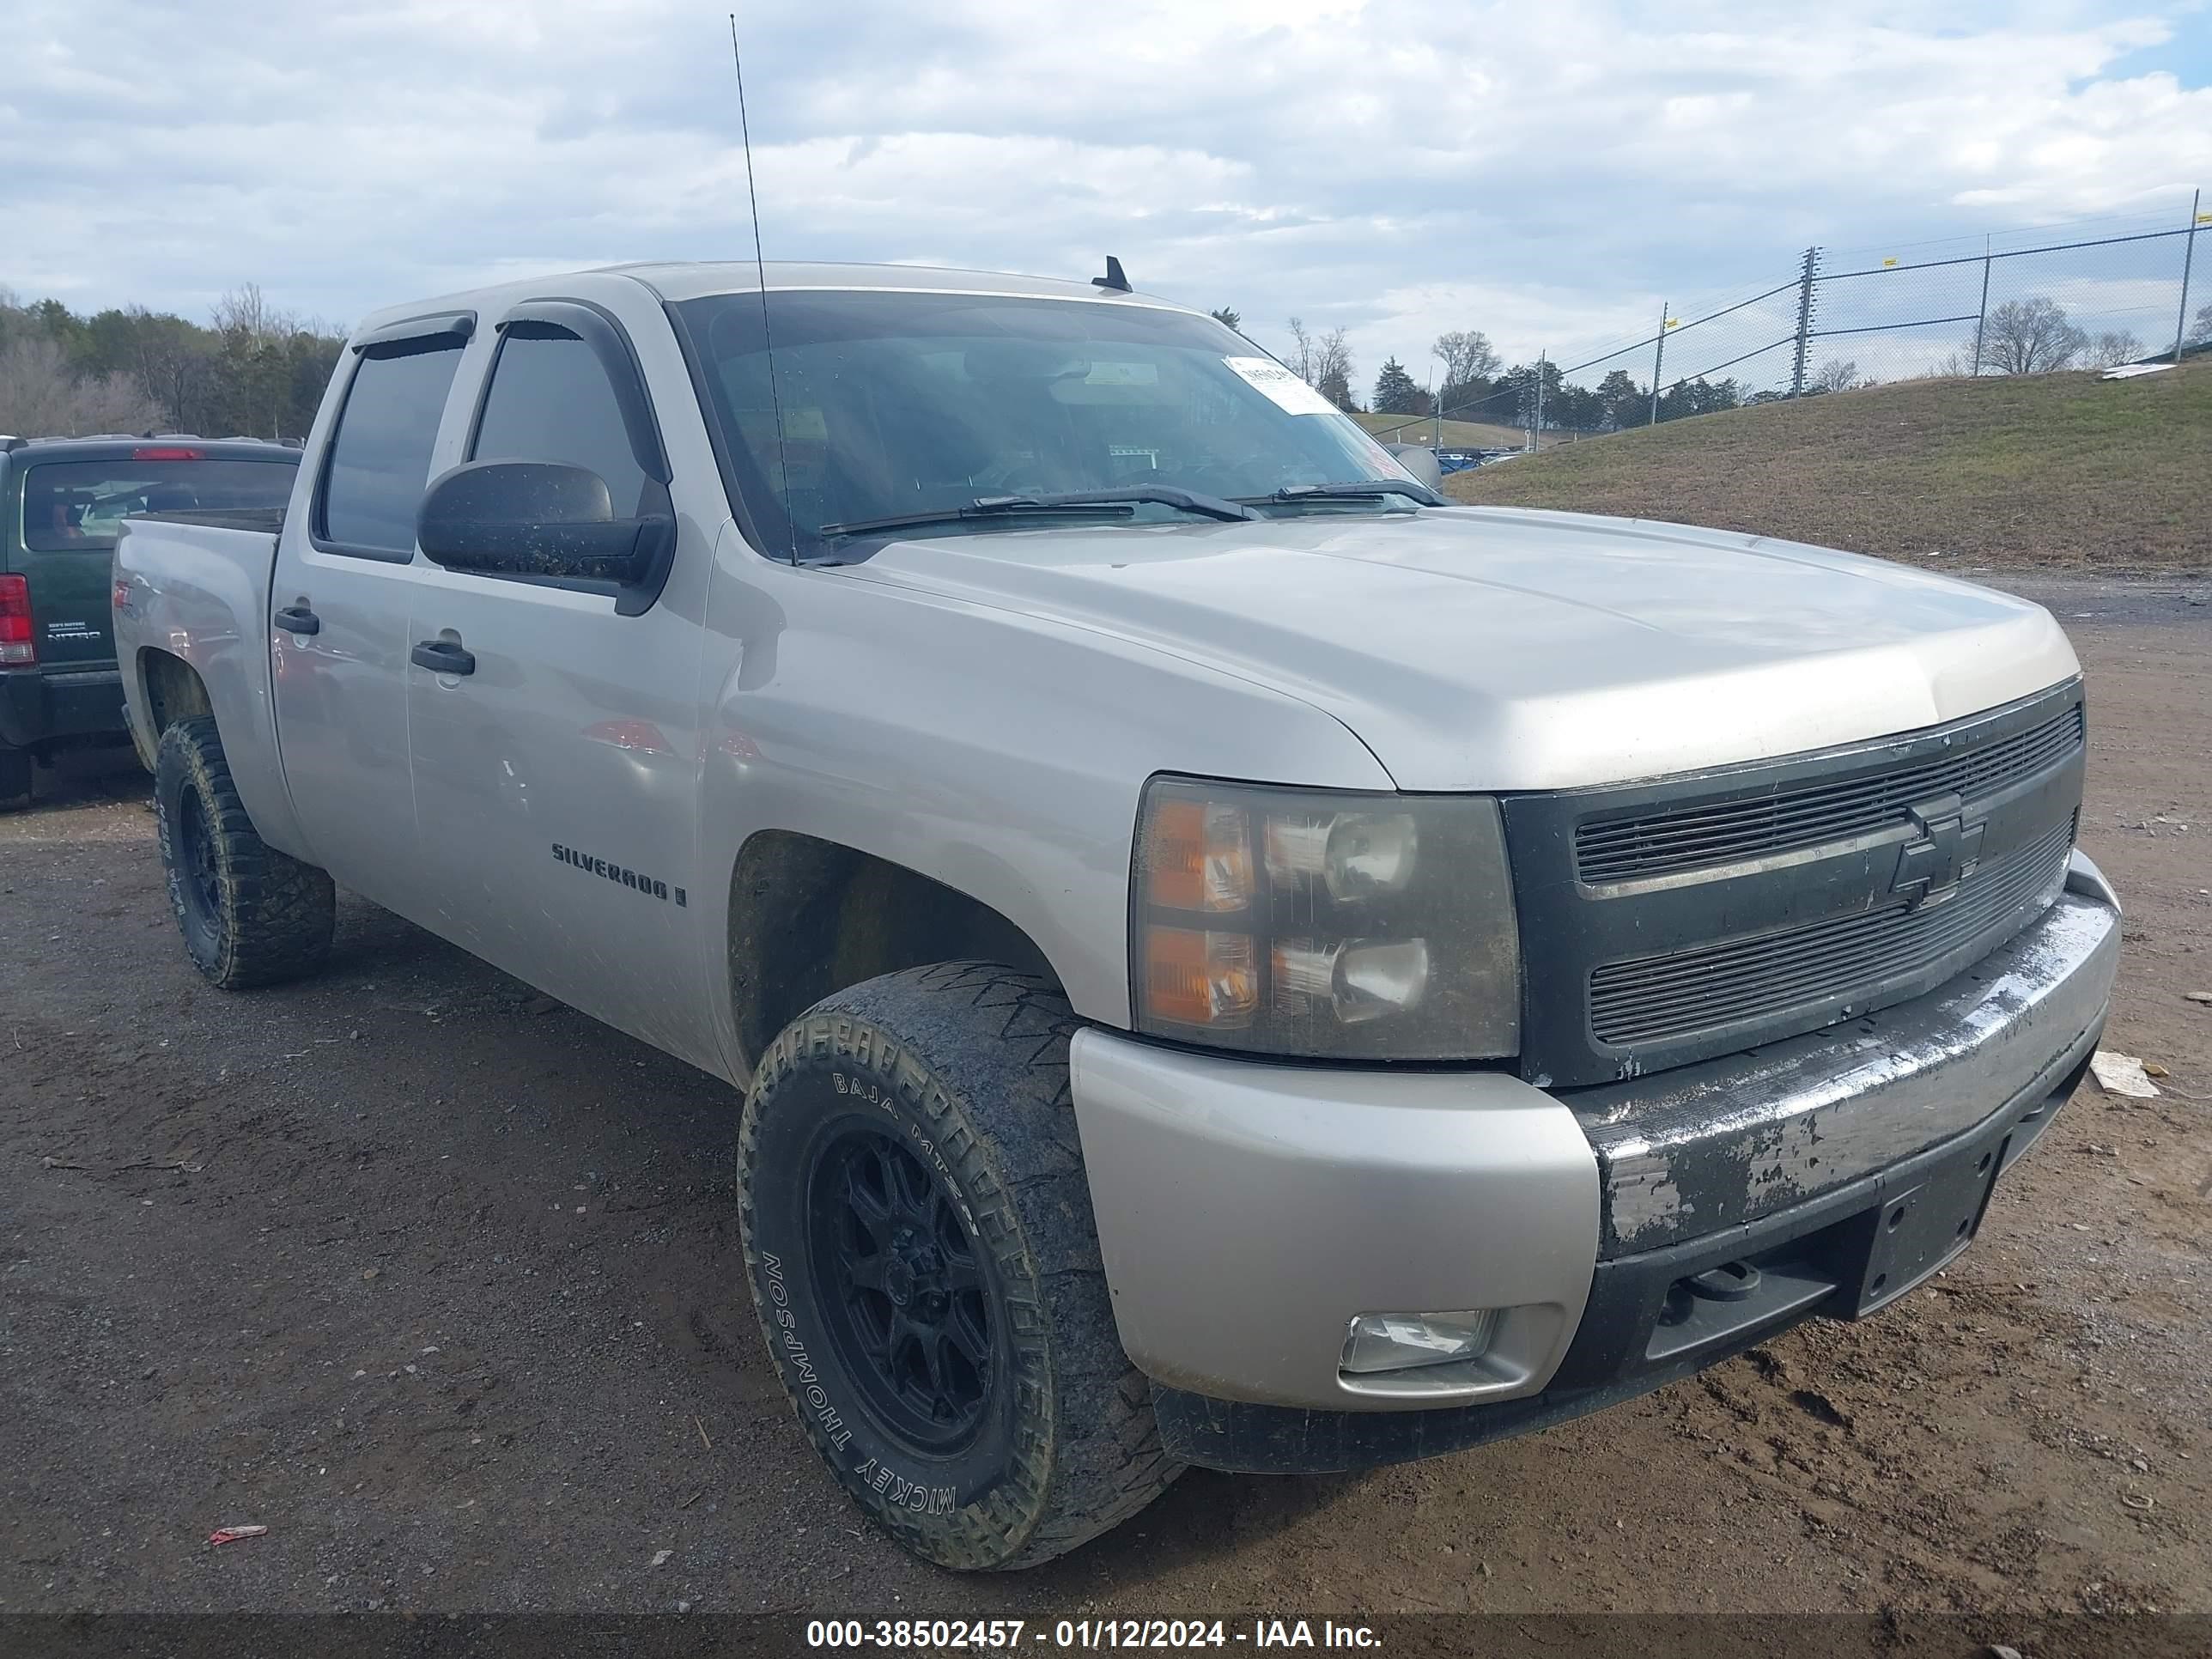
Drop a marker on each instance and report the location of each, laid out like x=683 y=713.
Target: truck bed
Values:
x=192 y=591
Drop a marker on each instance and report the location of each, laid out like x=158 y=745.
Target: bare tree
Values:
x=2111 y=348
x=245 y=310
x=1333 y=369
x=255 y=351
x=1467 y=355
x=1837 y=375
x=2030 y=337
x=1303 y=360
x=41 y=397
x=175 y=362
x=2200 y=327
x=1469 y=366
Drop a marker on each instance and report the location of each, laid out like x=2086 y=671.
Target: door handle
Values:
x=298 y=619
x=442 y=657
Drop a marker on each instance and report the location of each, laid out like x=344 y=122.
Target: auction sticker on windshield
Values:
x=1284 y=389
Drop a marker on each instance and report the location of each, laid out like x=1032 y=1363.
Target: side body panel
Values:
x=341 y=707
x=556 y=785
x=201 y=594
x=999 y=753
x=342 y=692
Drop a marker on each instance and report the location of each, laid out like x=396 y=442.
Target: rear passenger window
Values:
x=380 y=457
x=550 y=401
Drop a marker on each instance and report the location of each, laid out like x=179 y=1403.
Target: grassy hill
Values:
x=2044 y=469
x=1458 y=434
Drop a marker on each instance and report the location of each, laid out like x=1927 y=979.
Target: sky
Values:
x=1548 y=171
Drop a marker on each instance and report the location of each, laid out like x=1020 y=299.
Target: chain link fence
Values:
x=2104 y=293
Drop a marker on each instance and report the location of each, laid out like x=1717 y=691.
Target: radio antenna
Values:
x=760 y=265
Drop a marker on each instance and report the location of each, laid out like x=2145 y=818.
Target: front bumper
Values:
x=1247 y=1212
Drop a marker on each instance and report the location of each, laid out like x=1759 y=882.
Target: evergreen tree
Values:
x=1395 y=393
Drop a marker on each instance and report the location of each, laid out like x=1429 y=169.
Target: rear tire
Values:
x=15 y=779
x=250 y=916
x=919 y=1239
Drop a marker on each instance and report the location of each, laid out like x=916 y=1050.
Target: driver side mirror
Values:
x=536 y=519
x=1421 y=461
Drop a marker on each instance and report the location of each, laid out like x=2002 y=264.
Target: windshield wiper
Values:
x=1366 y=489
x=1188 y=500
x=1074 y=503
x=983 y=507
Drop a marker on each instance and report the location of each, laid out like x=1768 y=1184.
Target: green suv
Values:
x=61 y=500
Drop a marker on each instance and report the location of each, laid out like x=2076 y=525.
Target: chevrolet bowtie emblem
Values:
x=1930 y=865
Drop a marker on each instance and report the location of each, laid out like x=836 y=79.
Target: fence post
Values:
x=2188 y=256
x=1982 y=317
x=1658 y=357
x=1804 y=319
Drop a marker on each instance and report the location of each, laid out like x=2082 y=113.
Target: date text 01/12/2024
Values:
x=1086 y=1633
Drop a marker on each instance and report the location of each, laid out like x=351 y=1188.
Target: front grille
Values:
x=1665 y=998
x=1691 y=835
x=1668 y=920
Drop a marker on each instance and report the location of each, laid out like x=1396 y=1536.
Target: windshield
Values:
x=899 y=403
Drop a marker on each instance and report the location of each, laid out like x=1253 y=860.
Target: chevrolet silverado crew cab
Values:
x=60 y=503
x=1230 y=960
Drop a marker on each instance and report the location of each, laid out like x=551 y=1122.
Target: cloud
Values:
x=1547 y=173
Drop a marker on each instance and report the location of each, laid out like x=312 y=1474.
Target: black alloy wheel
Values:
x=902 y=1286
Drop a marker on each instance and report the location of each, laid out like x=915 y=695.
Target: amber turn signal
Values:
x=1197 y=856
x=1200 y=979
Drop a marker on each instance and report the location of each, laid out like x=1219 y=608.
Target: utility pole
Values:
x=1437 y=416
x=1537 y=436
x=2188 y=256
x=1658 y=357
x=1982 y=319
x=1804 y=319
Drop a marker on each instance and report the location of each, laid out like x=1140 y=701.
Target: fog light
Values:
x=1400 y=1342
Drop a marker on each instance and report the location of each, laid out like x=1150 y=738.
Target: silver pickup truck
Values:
x=1230 y=959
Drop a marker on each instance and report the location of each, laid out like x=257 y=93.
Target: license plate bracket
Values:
x=1920 y=1227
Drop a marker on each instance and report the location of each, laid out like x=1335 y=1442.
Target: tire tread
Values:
x=278 y=914
x=997 y=1037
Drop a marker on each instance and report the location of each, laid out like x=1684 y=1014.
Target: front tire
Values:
x=250 y=916
x=919 y=1240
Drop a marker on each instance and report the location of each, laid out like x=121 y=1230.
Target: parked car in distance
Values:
x=1230 y=959
x=62 y=500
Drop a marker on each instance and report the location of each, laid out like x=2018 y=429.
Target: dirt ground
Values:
x=441 y=1286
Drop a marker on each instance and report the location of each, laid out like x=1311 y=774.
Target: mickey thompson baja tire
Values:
x=250 y=916
x=919 y=1239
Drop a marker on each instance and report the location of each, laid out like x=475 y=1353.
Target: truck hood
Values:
x=1487 y=649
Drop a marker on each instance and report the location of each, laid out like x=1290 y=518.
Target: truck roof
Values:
x=694 y=280
x=124 y=447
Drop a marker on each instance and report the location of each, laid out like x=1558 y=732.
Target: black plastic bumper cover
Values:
x=38 y=707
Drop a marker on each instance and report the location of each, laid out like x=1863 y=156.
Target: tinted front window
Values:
x=72 y=505
x=379 y=458
x=903 y=403
x=550 y=401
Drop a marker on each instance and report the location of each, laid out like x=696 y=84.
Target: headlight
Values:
x=1299 y=922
